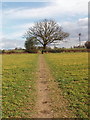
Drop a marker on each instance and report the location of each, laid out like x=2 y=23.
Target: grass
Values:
x=0 y=85
x=18 y=86
x=71 y=72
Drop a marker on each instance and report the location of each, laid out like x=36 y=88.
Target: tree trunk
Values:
x=44 y=46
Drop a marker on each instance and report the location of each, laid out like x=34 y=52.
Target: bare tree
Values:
x=46 y=32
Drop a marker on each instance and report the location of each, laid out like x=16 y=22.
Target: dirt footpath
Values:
x=50 y=102
x=43 y=104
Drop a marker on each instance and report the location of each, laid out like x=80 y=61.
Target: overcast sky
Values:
x=17 y=17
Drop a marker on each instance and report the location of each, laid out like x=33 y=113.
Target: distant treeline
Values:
x=47 y=50
x=69 y=50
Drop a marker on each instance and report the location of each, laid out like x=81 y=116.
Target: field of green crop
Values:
x=71 y=72
x=18 y=86
x=0 y=85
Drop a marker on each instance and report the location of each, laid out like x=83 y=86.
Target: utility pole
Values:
x=79 y=39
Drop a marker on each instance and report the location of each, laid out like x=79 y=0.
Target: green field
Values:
x=0 y=85
x=18 y=84
x=71 y=72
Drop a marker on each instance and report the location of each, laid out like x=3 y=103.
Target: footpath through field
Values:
x=50 y=103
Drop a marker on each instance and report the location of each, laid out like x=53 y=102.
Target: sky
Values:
x=19 y=15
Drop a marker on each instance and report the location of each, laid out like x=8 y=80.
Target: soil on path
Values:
x=50 y=102
x=43 y=104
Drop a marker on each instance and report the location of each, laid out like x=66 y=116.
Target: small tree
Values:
x=87 y=44
x=46 y=32
x=30 y=44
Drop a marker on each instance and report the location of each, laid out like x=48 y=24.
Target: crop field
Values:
x=0 y=85
x=70 y=70
x=19 y=91
x=18 y=84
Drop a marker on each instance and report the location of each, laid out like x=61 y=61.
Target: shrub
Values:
x=11 y=51
x=87 y=44
x=3 y=51
x=32 y=51
x=56 y=50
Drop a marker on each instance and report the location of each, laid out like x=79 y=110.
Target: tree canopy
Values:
x=87 y=44
x=30 y=44
x=46 y=32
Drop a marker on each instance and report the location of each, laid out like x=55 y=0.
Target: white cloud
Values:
x=19 y=31
x=64 y=7
x=74 y=28
x=13 y=35
x=28 y=13
x=83 y=22
x=9 y=43
x=23 y=26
